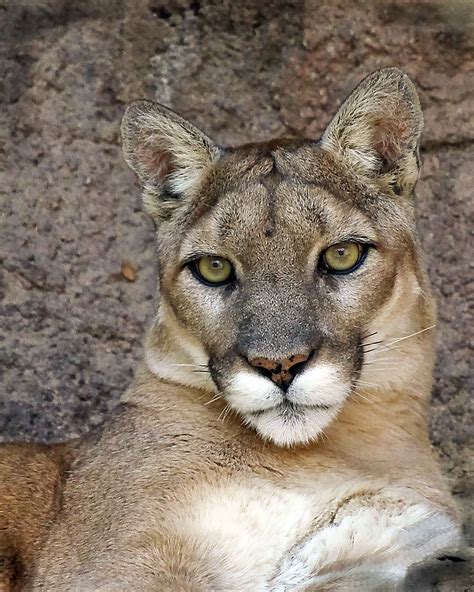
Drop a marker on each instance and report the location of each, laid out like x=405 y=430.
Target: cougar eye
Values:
x=343 y=257
x=213 y=271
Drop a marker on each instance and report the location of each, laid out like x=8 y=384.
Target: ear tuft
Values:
x=169 y=154
x=377 y=129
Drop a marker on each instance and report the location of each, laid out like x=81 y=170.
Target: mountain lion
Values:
x=275 y=437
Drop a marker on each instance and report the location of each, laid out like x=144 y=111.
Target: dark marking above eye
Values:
x=167 y=194
x=269 y=231
x=396 y=188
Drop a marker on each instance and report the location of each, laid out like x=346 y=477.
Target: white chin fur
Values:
x=259 y=401
x=292 y=428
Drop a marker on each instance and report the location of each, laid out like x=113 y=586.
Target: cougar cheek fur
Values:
x=275 y=437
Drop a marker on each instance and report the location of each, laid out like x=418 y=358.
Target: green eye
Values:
x=213 y=271
x=343 y=257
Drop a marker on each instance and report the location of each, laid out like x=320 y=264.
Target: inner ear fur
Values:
x=168 y=154
x=377 y=130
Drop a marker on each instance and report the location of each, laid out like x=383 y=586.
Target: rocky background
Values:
x=77 y=279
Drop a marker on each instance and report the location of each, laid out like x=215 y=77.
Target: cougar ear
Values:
x=377 y=129
x=169 y=155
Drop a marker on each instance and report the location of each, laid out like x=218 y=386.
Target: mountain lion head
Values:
x=289 y=269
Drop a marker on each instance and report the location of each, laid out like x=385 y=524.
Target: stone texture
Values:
x=71 y=322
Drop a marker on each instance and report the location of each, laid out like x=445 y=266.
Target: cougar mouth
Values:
x=289 y=424
x=292 y=408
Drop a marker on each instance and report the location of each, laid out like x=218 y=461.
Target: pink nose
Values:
x=280 y=371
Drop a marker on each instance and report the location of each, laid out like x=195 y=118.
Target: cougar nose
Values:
x=280 y=371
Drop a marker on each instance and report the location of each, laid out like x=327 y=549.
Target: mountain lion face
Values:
x=281 y=264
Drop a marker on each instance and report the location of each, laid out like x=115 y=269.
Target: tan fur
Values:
x=199 y=480
x=30 y=492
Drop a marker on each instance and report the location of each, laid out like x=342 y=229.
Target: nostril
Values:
x=282 y=371
x=293 y=370
x=264 y=371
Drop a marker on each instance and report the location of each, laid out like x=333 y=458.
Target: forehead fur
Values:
x=289 y=190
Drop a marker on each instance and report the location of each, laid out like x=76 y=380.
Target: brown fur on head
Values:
x=272 y=210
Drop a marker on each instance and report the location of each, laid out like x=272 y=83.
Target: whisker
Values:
x=223 y=413
x=324 y=439
x=369 y=335
x=381 y=359
x=214 y=399
x=382 y=362
x=390 y=348
x=397 y=339
x=371 y=343
x=368 y=351
x=361 y=395
x=363 y=382
x=391 y=342
x=227 y=412
x=190 y=365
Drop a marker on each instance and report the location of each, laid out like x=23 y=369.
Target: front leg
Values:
x=372 y=544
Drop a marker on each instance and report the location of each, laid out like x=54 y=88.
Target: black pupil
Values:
x=341 y=251
x=216 y=264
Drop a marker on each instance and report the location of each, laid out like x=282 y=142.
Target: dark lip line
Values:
x=291 y=406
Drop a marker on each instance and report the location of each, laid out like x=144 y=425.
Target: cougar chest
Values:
x=250 y=529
